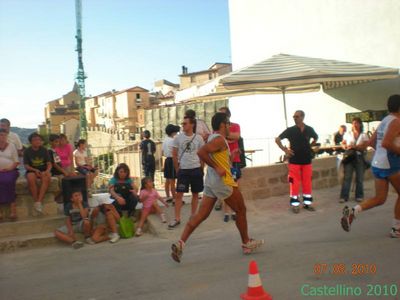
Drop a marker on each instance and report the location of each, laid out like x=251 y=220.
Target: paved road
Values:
x=213 y=266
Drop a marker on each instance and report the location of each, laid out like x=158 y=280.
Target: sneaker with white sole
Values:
x=90 y=241
x=173 y=224
x=395 y=233
x=347 y=218
x=114 y=237
x=38 y=207
x=77 y=245
x=177 y=250
x=139 y=232
x=251 y=246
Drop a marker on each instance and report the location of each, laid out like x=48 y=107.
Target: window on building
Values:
x=210 y=76
x=138 y=98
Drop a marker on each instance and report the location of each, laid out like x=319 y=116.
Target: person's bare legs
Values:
x=236 y=202
x=381 y=192
x=44 y=185
x=100 y=234
x=195 y=203
x=31 y=179
x=112 y=217
x=178 y=206
x=64 y=237
x=204 y=211
x=143 y=216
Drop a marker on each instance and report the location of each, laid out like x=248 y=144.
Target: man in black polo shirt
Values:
x=300 y=155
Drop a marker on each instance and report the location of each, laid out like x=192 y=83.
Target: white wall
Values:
x=364 y=31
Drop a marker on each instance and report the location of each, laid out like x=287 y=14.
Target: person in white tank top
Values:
x=385 y=167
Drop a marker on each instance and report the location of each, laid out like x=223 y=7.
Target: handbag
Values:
x=348 y=156
x=126 y=227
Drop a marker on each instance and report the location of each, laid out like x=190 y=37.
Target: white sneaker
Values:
x=90 y=241
x=139 y=232
x=77 y=245
x=114 y=237
x=163 y=218
x=38 y=207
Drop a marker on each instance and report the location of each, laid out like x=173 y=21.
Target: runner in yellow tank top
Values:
x=222 y=160
x=219 y=184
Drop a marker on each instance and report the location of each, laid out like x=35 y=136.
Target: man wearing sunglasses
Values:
x=301 y=137
x=188 y=167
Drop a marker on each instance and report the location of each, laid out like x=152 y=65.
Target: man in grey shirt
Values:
x=189 y=168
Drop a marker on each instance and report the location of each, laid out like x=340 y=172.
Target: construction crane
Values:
x=80 y=75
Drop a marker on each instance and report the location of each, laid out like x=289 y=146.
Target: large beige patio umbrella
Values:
x=285 y=73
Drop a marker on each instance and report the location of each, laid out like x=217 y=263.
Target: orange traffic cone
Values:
x=255 y=290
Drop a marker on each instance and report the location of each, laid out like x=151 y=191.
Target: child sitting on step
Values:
x=77 y=221
x=149 y=196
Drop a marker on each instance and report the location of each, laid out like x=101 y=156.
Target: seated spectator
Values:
x=338 y=136
x=112 y=218
x=64 y=151
x=56 y=168
x=12 y=136
x=77 y=221
x=123 y=191
x=149 y=196
x=37 y=164
x=83 y=164
x=8 y=174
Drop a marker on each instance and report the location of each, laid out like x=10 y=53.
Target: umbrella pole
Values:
x=284 y=106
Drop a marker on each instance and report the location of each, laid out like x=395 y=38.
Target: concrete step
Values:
x=31 y=226
x=30 y=241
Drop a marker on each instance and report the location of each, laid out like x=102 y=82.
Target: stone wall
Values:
x=266 y=181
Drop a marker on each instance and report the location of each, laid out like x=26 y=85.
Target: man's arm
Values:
x=175 y=158
x=288 y=152
x=391 y=134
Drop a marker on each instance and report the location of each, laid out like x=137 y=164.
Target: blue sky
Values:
x=125 y=43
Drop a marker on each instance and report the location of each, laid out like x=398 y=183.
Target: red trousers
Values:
x=300 y=174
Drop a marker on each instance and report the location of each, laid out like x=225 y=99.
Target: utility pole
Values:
x=80 y=75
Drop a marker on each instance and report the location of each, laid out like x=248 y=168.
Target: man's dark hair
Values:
x=53 y=137
x=227 y=110
x=80 y=142
x=146 y=134
x=190 y=113
x=191 y=121
x=393 y=103
x=5 y=121
x=301 y=113
x=217 y=119
x=33 y=135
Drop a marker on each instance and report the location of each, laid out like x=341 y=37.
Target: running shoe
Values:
x=218 y=206
x=77 y=245
x=139 y=231
x=251 y=246
x=114 y=237
x=347 y=218
x=90 y=241
x=177 y=251
x=169 y=199
x=233 y=217
x=226 y=218
x=173 y=224
x=395 y=233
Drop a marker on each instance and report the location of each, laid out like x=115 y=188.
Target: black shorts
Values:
x=192 y=178
x=169 y=170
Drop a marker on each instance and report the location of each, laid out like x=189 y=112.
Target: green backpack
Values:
x=126 y=227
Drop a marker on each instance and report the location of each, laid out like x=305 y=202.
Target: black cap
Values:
x=171 y=128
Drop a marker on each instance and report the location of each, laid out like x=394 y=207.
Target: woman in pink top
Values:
x=65 y=152
x=149 y=196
